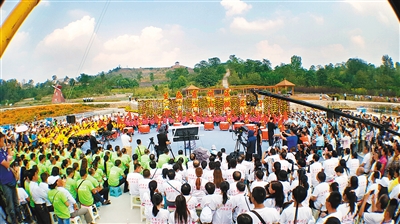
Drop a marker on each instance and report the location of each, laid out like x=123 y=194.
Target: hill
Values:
x=158 y=73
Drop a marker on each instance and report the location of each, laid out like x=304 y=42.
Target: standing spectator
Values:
x=163 y=141
x=126 y=142
x=259 y=140
x=271 y=129
x=8 y=181
x=59 y=201
x=251 y=145
x=39 y=197
x=366 y=163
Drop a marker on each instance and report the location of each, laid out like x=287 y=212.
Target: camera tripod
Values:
x=152 y=145
x=238 y=146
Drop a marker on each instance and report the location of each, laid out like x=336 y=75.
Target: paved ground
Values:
x=119 y=211
x=221 y=139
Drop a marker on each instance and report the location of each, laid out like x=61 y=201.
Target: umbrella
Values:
x=21 y=128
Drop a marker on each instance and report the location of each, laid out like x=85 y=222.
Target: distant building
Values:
x=177 y=65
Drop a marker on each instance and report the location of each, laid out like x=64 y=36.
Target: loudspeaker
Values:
x=71 y=119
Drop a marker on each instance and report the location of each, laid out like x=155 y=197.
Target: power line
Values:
x=89 y=45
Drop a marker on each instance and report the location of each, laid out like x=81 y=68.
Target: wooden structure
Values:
x=285 y=84
x=190 y=89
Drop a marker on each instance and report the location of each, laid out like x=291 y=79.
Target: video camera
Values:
x=151 y=140
x=240 y=130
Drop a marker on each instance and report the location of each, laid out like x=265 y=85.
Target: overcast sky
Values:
x=55 y=36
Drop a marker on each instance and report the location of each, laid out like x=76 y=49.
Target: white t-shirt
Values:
x=223 y=214
x=353 y=165
x=155 y=173
x=286 y=189
x=347 y=217
x=233 y=189
x=22 y=195
x=191 y=202
x=172 y=189
x=372 y=186
x=285 y=165
x=329 y=169
x=342 y=182
x=228 y=174
x=395 y=193
x=321 y=191
x=269 y=215
x=133 y=180
x=315 y=168
x=148 y=205
x=161 y=218
x=373 y=217
x=258 y=183
x=241 y=204
x=126 y=140
x=192 y=217
x=362 y=185
x=143 y=186
x=304 y=215
x=272 y=177
x=199 y=194
x=336 y=214
x=367 y=162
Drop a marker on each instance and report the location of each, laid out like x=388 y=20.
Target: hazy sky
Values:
x=55 y=36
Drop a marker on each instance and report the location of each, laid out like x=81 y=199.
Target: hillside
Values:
x=159 y=74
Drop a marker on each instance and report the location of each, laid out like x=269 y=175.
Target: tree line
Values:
x=353 y=76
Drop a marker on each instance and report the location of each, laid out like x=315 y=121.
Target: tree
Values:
x=214 y=62
x=84 y=79
x=295 y=62
x=139 y=76
x=152 y=77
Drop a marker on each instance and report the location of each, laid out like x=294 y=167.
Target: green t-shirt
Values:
x=77 y=175
x=185 y=159
x=71 y=186
x=164 y=158
x=99 y=175
x=115 y=175
x=58 y=200
x=141 y=152
x=93 y=180
x=144 y=161
x=42 y=168
x=109 y=165
x=125 y=161
x=85 y=192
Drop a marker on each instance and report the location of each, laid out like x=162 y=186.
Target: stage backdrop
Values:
x=237 y=104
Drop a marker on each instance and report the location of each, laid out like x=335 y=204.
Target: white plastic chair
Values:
x=76 y=220
x=94 y=212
